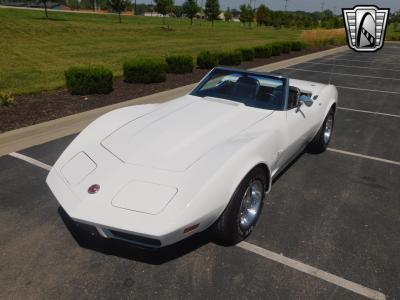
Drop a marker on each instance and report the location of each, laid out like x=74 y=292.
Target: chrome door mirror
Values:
x=306 y=100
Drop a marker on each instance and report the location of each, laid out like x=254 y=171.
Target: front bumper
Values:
x=112 y=222
x=139 y=241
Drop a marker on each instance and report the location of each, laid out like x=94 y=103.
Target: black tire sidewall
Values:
x=228 y=226
x=318 y=145
x=331 y=113
x=245 y=233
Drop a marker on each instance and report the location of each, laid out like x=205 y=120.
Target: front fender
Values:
x=230 y=163
x=101 y=127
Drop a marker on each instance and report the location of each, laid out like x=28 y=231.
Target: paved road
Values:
x=338 y=212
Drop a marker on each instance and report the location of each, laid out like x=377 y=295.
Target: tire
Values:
x=231 y=227
x=324 y=135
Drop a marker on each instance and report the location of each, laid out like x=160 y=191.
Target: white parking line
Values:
x=396 y=53
x=299 y=266
x=343 y=74
x=369 y=112
x=358 y=60
x=377 y=55
x=347 y=66
x=397 y=163
x=31 y=160
x=367 y=90
x=392 y=48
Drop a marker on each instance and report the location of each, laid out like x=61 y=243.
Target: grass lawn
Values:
x=34 y=52
x=393 y=32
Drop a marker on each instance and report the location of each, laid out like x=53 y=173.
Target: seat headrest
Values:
x=248 y=80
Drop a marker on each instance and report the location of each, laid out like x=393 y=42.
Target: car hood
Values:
x=178 y=133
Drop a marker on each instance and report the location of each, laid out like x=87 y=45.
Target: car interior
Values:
x=294 y=95
x=247 y=90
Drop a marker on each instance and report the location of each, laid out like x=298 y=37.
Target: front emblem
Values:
x=93 y=189
x=365 y=27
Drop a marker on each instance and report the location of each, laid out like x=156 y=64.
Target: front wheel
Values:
x=324 y=135
x=242 y=213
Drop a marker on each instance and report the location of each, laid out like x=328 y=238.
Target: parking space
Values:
x=347 y=80
x=42 y=259
x=337 y=212
x=365 y=72
x=367 y=134
x=378 y=102
x=49 y=152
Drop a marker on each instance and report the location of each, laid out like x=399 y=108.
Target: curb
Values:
x=26 y=137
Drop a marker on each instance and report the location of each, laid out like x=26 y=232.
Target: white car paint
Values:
x=165 y=167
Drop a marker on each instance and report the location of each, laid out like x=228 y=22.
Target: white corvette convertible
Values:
x=155 y=174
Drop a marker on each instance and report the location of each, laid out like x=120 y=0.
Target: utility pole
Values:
x=286 y=1
x=135 y=7
x=322 y=5
x=201 y=12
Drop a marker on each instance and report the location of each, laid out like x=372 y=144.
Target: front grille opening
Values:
x=136 y=239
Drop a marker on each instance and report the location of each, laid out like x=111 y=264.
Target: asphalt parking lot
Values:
x=336 y=214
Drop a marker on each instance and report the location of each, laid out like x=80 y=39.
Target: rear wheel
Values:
x=324 y=135
x=242 y=213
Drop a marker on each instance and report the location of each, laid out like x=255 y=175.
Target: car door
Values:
x=300 y=124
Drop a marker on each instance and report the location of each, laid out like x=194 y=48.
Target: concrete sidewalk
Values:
x=26 y=137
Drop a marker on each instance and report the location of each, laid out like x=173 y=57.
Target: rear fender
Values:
x=330 y=94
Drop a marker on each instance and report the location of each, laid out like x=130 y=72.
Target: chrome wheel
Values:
x=328 y=129
x=251 y=204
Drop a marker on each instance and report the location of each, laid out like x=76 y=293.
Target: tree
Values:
x=262 y=15
x=395 y=26
x=45 y=7
x=190 y=9
x=212 y=10
x=164 y=7
x=277 y=22
x=178 y=11
x=235 y=13
x=246 y=14
x=118 y=6
x=228 y=15
x=73 y=4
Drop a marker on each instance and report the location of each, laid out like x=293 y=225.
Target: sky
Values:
x=306 y=5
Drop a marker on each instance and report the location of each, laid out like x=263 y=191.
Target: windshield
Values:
x=254 y=90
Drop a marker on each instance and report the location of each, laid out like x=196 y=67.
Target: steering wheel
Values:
x=271 y=95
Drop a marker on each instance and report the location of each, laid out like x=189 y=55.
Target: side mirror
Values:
x=306 y=100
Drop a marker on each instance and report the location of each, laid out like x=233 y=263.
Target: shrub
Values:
x=263 y=51
x=322 y=43
x=286 y=47
x=180 y=64
x=145 y=70
x=276 y=49
x=207 y=60
x=6 y=99
x=298 y=46
x=230 y=58
x=341 y=40
x=332 y=41
x=304 y=45
x=247 y=54
x=86 y=80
